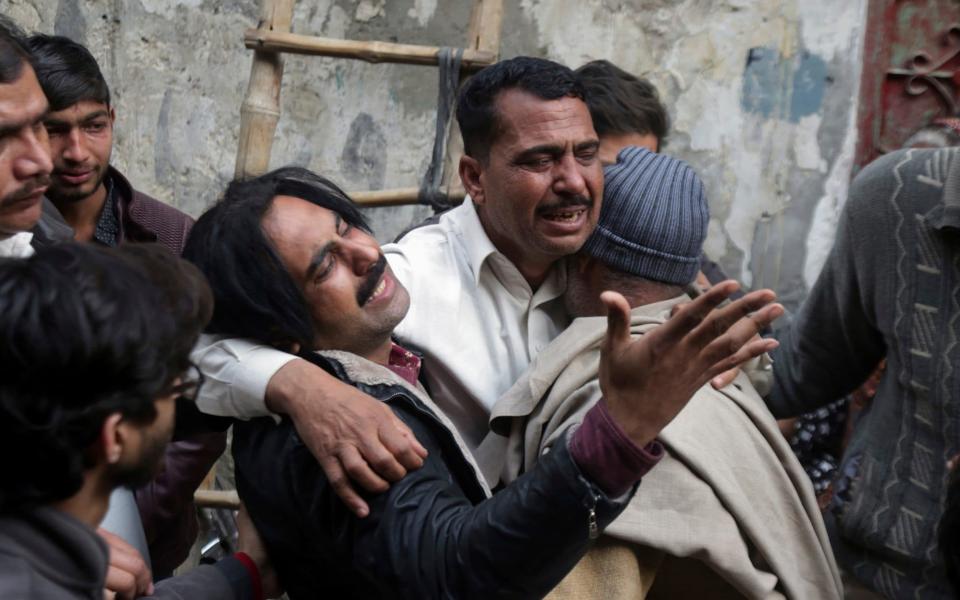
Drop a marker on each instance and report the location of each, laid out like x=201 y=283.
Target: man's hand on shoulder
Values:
x=647 y=381
x=355 y=438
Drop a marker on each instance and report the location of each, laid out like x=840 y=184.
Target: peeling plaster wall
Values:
x=762 y=96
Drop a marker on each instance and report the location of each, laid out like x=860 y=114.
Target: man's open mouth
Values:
x=565 y=215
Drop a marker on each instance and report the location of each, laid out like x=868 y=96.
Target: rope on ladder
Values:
x=449 y=67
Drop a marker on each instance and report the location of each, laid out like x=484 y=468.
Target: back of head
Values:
x=255 y=296
x=67 y=72
x=653 y=220
x=621 y=103
x=941 y=133
x=476 y=105
x=13 y=54
x=85 y=332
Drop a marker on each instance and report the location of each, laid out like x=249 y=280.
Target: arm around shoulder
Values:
x=236 y=375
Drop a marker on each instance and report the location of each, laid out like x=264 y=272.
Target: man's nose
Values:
x=363 y=254
x=34 y=159
x=568 y=178
x=75 y=150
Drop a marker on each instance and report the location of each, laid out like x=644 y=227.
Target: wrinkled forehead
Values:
x=298 y=229
x=22 y=101
x=524 y=119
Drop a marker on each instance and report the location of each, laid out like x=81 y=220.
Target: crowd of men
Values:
x=548 y=390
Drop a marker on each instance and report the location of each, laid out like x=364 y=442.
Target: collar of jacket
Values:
x=126 y=198
x=380 y=382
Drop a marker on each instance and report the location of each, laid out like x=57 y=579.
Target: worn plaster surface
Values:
x=762 y=95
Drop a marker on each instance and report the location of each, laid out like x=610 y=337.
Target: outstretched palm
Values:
x=647 y=381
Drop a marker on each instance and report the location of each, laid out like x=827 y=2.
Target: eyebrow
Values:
x=555 y=150
x=548 y=149
x=11 y=128
x=591 y=145
x=85 y=119
x=321 y=254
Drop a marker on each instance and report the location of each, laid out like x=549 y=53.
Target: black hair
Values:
x=476 y=105
x=948 y=531
x=13 y=53
x=67 y=71
x=254 y=295
x=85 y=332
x=622 y=103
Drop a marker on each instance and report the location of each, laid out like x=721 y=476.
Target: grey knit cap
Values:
x=654 y=218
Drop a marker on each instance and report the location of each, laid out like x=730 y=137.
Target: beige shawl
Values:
x=729 y=492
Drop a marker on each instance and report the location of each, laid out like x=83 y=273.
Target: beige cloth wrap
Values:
x=728 y=512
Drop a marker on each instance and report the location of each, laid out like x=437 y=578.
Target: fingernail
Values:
x=361 y=511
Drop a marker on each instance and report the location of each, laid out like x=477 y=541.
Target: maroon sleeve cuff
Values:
x=255 y=583
x=607 y=456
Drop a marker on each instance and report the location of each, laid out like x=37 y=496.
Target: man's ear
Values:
x=471 y=170
x=113 y=116
x=113 y=438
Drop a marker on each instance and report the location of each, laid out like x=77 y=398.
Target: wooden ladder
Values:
x=261 y=107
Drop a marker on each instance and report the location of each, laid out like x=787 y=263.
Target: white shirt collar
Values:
x=475 y=240
x=17 y=245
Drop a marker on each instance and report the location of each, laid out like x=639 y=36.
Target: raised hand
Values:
x=647 y=381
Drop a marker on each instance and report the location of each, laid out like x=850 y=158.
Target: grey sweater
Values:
x=46 y=553
x=890 y=287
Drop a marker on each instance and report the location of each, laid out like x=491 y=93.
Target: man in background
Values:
x=626 y=109
x=92 y=196
x=95 y=348
x=101 y=207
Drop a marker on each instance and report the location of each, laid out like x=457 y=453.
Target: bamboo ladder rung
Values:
x=398 y=197
x=374 y=52
x=217 y=499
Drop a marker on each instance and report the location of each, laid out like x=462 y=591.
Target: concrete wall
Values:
x=762 y=94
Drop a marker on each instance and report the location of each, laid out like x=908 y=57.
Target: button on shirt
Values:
x=472 y=315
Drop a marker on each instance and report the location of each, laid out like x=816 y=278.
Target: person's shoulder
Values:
x=897 y=173
x=145 y=206
x=432 y=251
x=430 y=233
x=17 y=576
x=161 y=210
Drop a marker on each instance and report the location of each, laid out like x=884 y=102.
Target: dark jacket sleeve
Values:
x=834 y=343
x=425 y=539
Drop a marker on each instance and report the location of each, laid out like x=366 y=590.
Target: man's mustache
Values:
x=26 y=191
x=373 y=278
x=578 y=201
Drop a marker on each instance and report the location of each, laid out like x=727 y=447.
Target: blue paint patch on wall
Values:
x=762 y=90
x=785 y=89
x=809 y=81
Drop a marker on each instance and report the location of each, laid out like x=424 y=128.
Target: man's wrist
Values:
x=607 y=455
x=284 y=388
x=253 y=570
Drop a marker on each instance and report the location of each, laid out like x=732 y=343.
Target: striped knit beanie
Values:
x=654 y=218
